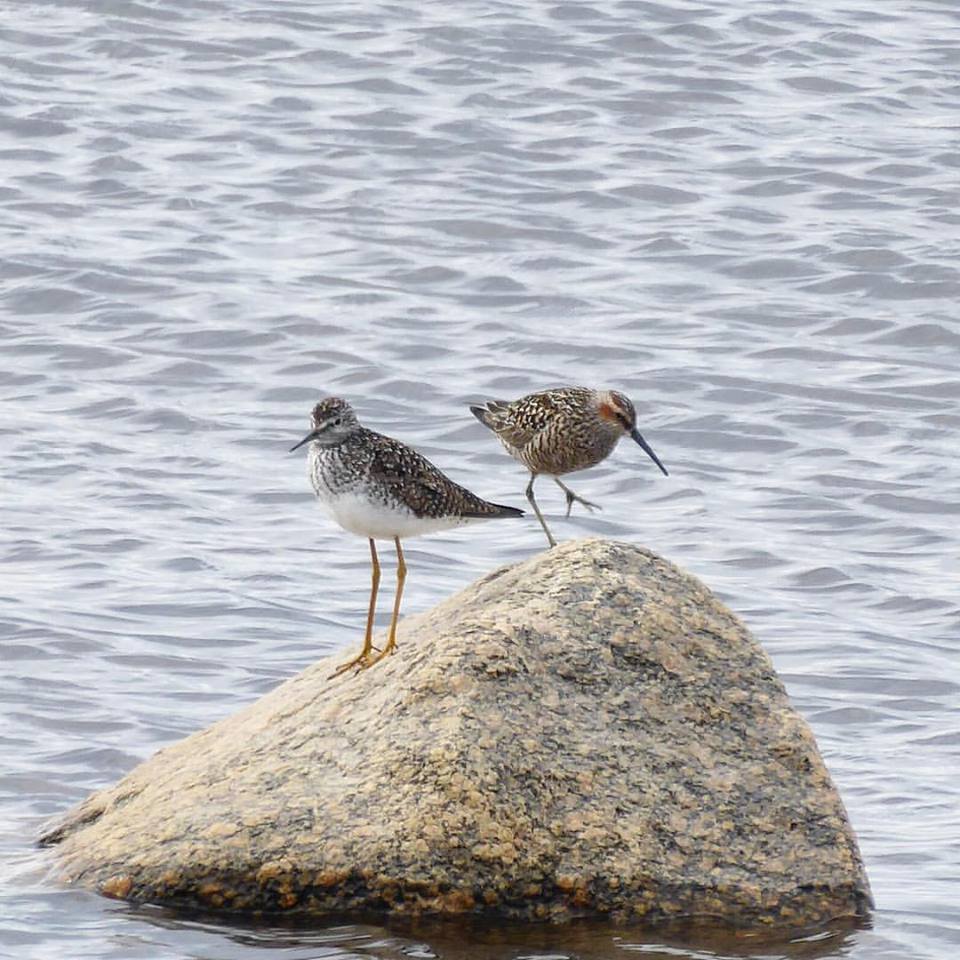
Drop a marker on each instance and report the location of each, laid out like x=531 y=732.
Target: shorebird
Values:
x=381 y=489
x=558 y=431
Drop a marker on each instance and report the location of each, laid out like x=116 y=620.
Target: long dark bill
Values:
x=312 y=435
x=648 y=450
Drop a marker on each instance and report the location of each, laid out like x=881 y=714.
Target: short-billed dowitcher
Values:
x=558 y=431
x=382 y=489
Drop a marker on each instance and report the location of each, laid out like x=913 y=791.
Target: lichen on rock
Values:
x=590 y=732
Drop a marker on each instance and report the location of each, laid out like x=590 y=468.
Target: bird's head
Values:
x=331 y=421
x=617 y=410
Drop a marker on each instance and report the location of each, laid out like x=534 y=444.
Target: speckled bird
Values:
x=562 y=430
x=381 y=489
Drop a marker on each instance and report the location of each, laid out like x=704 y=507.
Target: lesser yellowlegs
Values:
x=382 y=489
x=558 y=431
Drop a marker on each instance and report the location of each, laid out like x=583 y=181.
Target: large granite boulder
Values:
x=588 y=732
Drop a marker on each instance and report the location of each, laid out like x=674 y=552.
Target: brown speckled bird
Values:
x=382 y=489
x=560 y=431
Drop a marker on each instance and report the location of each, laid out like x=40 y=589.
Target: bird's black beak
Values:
x=312 y=435
x=648 y=450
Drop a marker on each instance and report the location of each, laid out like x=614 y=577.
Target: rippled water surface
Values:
x=743 y=214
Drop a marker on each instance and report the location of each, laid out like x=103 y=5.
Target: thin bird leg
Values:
x=364 y=660
x=401 y=576
x=571 y=497
x=536 y=510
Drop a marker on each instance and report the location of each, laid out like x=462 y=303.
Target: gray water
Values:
x=742 y=214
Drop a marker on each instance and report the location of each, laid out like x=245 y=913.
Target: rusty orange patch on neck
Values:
x=607 y=412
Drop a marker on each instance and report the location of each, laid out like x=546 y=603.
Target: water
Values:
x=744 y=215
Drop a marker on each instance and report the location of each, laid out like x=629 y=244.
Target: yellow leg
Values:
x=536 y=510
x=364 y=660
x=401 y=576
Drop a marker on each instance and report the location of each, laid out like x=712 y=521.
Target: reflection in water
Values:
x=476 y=939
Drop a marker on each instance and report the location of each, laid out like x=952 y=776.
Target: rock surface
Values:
x=588 y=732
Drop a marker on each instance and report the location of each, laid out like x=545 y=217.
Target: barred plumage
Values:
x=562 y=430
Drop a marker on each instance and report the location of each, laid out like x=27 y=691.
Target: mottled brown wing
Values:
x=512 y=431
x=415 y=481
x=519 y=421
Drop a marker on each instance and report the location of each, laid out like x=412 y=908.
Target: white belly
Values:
x=368 y=519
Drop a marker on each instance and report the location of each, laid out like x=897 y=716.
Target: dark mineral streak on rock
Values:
x=589 y=732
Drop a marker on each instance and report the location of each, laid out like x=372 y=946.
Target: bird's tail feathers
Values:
x=481 y=414
x=484 y=414
x=493 y=511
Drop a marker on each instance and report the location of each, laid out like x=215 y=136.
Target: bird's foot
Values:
x=361 y=662
x=389 y=649
x=574 y=498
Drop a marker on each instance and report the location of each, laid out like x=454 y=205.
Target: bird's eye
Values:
x=336 y=422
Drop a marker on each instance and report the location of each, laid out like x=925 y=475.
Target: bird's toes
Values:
x=357 y=663
x=573 y=498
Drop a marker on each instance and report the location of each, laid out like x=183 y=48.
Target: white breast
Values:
x=367 y=518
